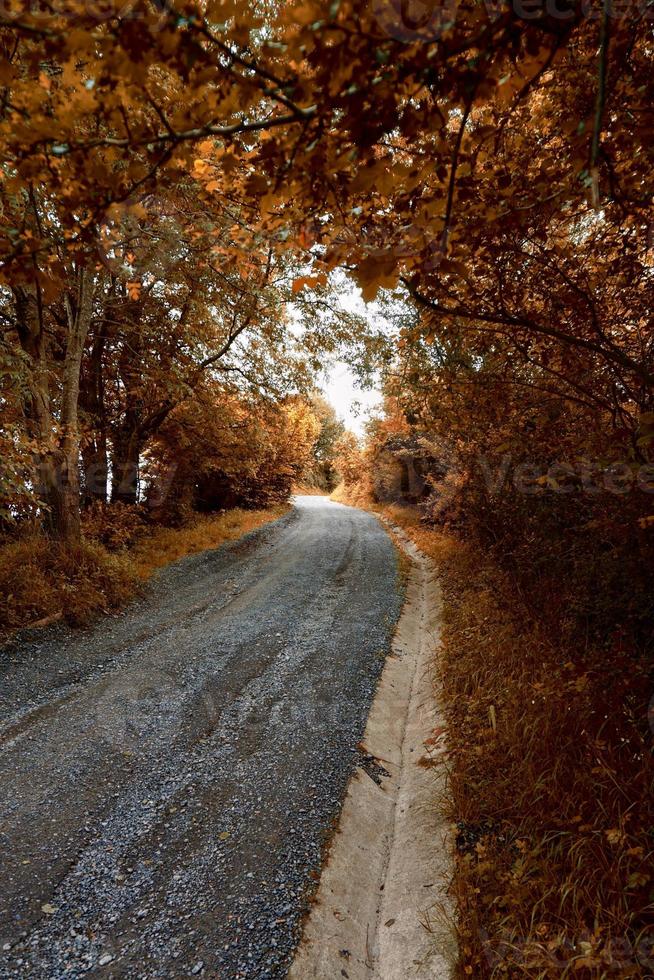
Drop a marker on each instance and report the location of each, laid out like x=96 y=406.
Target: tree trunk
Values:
x=64 y=518
x=56 y=434
x=38 y=408
x=60 y=490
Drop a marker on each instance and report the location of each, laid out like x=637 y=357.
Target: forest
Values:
x=186 y=187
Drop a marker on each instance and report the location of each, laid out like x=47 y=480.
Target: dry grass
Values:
x=41 y=582
x=354 y=496
x=165 y=545
x=551 y=784
x=306 y=490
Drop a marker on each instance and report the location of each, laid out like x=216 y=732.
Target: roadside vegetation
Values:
x=551 y=775
x=546 y=676
x=203 y=484
x=42 y=582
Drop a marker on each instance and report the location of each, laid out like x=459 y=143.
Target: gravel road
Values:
x=168 y=779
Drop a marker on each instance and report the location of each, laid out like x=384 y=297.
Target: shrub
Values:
x=117 y=526
x=40 y=579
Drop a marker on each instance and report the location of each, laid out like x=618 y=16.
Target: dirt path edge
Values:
x=382 y=909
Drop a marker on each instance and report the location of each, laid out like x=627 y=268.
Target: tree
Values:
x=228 y=449
x=321 y=471
x=55 y=433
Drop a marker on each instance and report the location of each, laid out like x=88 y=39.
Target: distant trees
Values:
x=226 y=449
x=321 y=472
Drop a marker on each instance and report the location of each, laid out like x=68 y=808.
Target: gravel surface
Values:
x=168 y=779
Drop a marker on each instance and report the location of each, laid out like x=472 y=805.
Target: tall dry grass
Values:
x=40 y=581
x=551 y=783
x=165 y=545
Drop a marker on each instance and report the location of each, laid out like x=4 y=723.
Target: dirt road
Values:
x=167 y=779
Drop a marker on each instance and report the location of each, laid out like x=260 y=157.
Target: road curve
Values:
x=168 y=778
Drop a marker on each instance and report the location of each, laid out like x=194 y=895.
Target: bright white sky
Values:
x=353 y=405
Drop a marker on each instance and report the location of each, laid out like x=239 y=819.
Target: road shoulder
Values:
x=382 y=910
